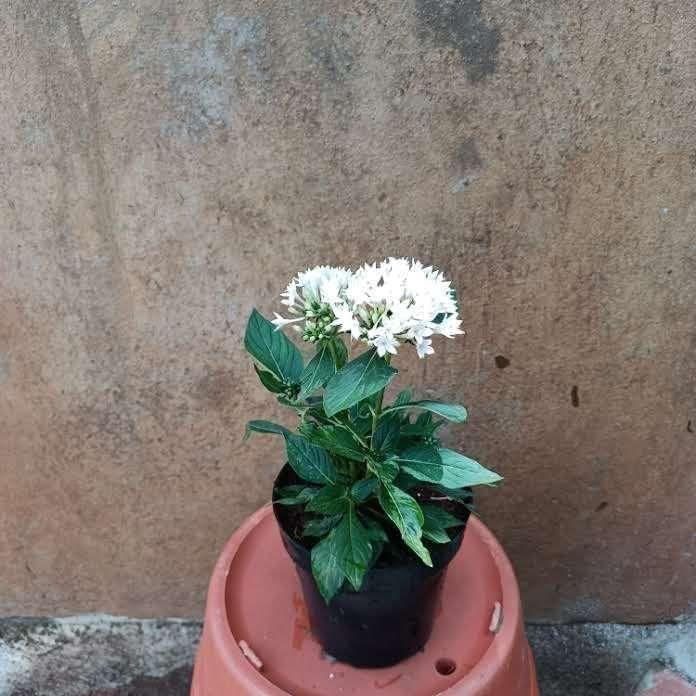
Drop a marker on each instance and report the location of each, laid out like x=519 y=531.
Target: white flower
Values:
x=346 y=321
x=280 y=322
x=383 y=340
x=450 y=326
x=312 y=296
x=410 y=301
x=322 y=283
x=384 y=305
x=290 y=294
x=418 y=332
x=424 y=348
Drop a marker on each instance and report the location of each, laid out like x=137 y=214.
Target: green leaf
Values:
x=406 y=514
x=291 y=490
x=310 y=462
x=423 y=428
x=436 y=535
x=295 y=495
x=452 y=412
x=360 y=416
x=406 y=481
x=341 y=352
x=360 y=378
x=353 y=545
x=273 y=349
x=330 y=500
x=363 y=489
x=377 y=536
x=263 y=426
x=337 y=440
x=345 y=552
x=460 y=471
x=270 y=381
x=387 y=434
x=318 y=372
x=326 y=566
x=403 y=397
x=436 y=523
x=299 y=406
x=375 y=531
x=422 y=462
x=385 y=471
x=321 y=525
x=436 y=515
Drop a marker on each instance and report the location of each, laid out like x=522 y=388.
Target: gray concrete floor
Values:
x=608 y=659
x=108 y=656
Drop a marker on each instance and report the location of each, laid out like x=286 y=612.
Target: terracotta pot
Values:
x=390 y=618
x=256 y=639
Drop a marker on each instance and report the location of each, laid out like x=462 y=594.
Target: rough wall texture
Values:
x=167 y=165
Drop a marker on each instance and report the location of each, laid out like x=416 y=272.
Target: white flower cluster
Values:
x=384 y=305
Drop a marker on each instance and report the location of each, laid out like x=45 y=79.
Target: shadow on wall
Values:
x=459 y=25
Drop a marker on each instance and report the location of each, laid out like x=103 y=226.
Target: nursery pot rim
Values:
x=216 y=622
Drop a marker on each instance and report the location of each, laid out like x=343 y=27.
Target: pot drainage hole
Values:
x=445 y=666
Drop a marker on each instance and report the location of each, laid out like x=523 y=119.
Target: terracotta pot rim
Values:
x=217 y=624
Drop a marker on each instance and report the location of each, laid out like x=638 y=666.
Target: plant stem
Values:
x=332 y=350
x=377 y=412
x=378 y=406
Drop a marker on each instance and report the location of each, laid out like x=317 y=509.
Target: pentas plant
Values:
x=361 y=464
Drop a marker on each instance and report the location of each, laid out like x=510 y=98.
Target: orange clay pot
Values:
x=256 y=639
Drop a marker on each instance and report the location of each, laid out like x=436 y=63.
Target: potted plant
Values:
x=370 y=505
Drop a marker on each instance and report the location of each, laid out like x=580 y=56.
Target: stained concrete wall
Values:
x=168 y=165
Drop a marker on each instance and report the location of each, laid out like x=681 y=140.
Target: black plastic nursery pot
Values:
x=392 y=615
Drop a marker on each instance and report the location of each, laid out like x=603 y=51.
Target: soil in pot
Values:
x=392 y=615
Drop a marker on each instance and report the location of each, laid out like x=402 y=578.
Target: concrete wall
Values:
x=168 y=165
